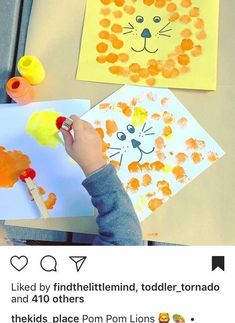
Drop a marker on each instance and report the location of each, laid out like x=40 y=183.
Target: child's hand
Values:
x=86 y=146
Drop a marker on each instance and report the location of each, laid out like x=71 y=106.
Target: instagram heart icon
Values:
x=19 y=263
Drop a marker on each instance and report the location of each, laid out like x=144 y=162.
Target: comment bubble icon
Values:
x=48 y=263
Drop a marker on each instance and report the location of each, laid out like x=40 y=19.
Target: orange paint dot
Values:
x=117 y=70
x=135 y=68
x=179 y=174
x=133 y=185
x=116 y=28
x=123 y=57
x=164 y=102
x=147 y=180
x=119 y=3
x=148 y=2
x=151 y=81
x=184 y=69
x=199 y=24
x=186 y=3
x=115 y=164
x=105 y=11
x=175 y=72
x=171 y=7
x=212 y=157
x=104 y=34
x=167 y=131
x=155 y=116
x=129 y=9
x=166 y=191
x=174 y=17
x=117 y=43
x=112 y=37
x=105 y=22
x=185 y=19
x=194 y=12
x=160 y=155
x=196 y=158
x=134 y=167
x=186 y=33
x=167 y=117
x=100 y=132
x=183 y=59
x=106 y=2
x=160 y=3
x=166 y=73
x=125 y=108
x=169 y=63
x=111 y=58
x=154 y=204
x=181 y=158
x=201 y=35
x=145 y=167
x=101 y=47
x=182 y=122
x=195 y=144
x=153 y=70
x=117 y=14
x=187 y=44
x=197 y=51
x=111 y=127
x=104 y=105
x=157 y=166
x=144 y=72
x=160 y=143
x=135 y=78
x=101 y=59
x=51 y=201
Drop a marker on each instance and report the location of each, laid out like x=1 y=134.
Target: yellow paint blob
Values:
x=167 y=168
x=42 y=126
x=139 y=116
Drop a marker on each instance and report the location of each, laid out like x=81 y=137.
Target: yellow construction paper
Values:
x=160 y=43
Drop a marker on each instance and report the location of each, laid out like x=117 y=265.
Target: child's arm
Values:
x=117 y=220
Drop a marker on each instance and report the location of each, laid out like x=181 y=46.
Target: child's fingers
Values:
x=68 y=140
x=77 y=127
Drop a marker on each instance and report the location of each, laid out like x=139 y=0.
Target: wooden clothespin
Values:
x=64 y=123
x=27 y=176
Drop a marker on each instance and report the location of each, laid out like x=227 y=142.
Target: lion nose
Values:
x=135 y=143
x=146 y=33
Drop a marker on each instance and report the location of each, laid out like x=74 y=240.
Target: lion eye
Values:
x=130 y=128
x=139 y=19
x=121 y=136
x=157 y=19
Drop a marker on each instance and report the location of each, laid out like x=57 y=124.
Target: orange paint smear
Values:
x=111 y=127
x=154 y=204
x=105 y=145
x=160 y=155
x=212 y=157
x=133 y=185
x=126 y=110
x=160 y=143
x=167 y=131
x=196 y=158
x=12 y=164
x=179 y=174
x=192 y=143
x=164 y=187
x=115 y=164
x=51 y=201
x=135 y=167
x=167 y=117
x=155 y=116
x=147 y=180
x=182 y=122
x=181 y=158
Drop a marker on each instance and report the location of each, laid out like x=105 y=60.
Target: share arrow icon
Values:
x=79 y=261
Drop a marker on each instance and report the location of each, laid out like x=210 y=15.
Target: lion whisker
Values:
x=114 y=154
x=128 y=32
x=150 y=134
x=148 y=129
x=121 y=160
x=143 y=126
x=164 y=35
x=164 y=27
x=114 y=148
x=164 y=31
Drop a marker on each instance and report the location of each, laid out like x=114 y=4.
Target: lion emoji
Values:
x=164 y=318
x=178 y=318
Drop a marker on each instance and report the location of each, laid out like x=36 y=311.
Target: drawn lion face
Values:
x=158 y=40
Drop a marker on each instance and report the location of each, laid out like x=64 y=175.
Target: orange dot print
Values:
x=187 y=44
x=160 y=3
x=117 y=43
x=101 y=59
x=105 y=11
x=186 y=33
x=129 y=9
x=112 y=58
x=123 y=57
x=186 y=3
x=106 y=2
x=116 y=28
x=104 y=34
x=105 y=22
x=149 y=2
x=194 y=12
x=183 y=59
x=101 y=47
x=171 y=7
x=185 y=19
x=174 y=17
x=117 y=14
x=119 y=3
x=197 y=51
x=154 y=204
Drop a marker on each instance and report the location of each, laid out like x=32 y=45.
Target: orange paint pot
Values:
x=20 y=90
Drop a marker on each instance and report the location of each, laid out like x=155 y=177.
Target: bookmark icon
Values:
x=79 y=261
